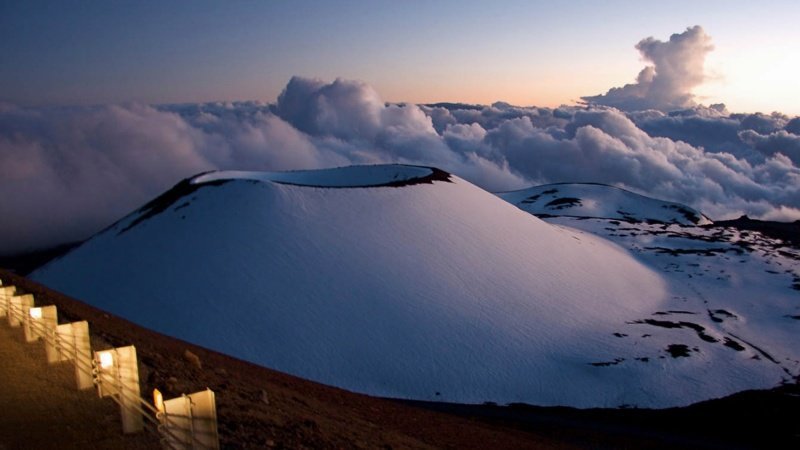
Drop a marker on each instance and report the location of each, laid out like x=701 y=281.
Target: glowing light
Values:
x=106 y=359
x=36 y=313
x=158 y=400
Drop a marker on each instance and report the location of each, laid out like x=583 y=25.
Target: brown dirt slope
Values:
x=41 y=408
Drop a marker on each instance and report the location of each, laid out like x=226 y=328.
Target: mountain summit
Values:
x=393 y=280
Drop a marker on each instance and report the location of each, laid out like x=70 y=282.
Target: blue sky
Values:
x=523 y=52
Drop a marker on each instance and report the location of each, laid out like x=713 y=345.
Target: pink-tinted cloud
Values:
x=677 y=67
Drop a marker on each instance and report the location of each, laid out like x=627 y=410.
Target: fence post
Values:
x=64 y=343
x=190 y=421
x=5 y=294
x=118 y=375
x=41 y=323
x=18 y=306
x=74 y=345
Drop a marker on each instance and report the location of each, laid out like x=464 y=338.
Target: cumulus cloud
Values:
x=665 y=84
x=714 y=134
x=606 y=146
x=66 y=173
x=793 y=126
x=782 y=142
x=748 y=136
x=352 y=118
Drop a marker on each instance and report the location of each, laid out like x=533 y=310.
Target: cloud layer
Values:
x=66 y=173
x=666 y=84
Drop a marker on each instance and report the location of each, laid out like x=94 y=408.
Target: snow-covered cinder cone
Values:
x=594 y=200
x=391 y=280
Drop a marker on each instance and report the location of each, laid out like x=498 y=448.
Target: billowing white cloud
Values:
x=793 y=126
x=606 y=146
x=65 y=173
x=782 y=142
x=677 y=67
x=713 y=133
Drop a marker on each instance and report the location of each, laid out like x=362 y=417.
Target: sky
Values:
x=522 y=52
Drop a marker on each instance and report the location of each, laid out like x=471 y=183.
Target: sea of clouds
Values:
x=67 y=172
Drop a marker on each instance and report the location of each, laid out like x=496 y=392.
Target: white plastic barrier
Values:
x=72 y=342
x=190 y=421
x=186 y=422
x=118 y=375
x=5 y=295
x=40 y=323
x=18 y=306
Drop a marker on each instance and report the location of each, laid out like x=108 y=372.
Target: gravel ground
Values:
x=41 y=408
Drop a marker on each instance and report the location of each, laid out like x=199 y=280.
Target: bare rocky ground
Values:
x=42 y=409
x=262 y=408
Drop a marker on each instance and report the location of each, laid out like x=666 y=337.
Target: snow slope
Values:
x=739 y=287
x=731 y=290
x=601 y=201
x=399 y=281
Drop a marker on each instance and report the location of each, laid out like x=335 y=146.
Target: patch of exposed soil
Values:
x=786 y=231
x=563 y=202
x=678 y=350
x=699 y=329
x=162 y=202
x=435 y=175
